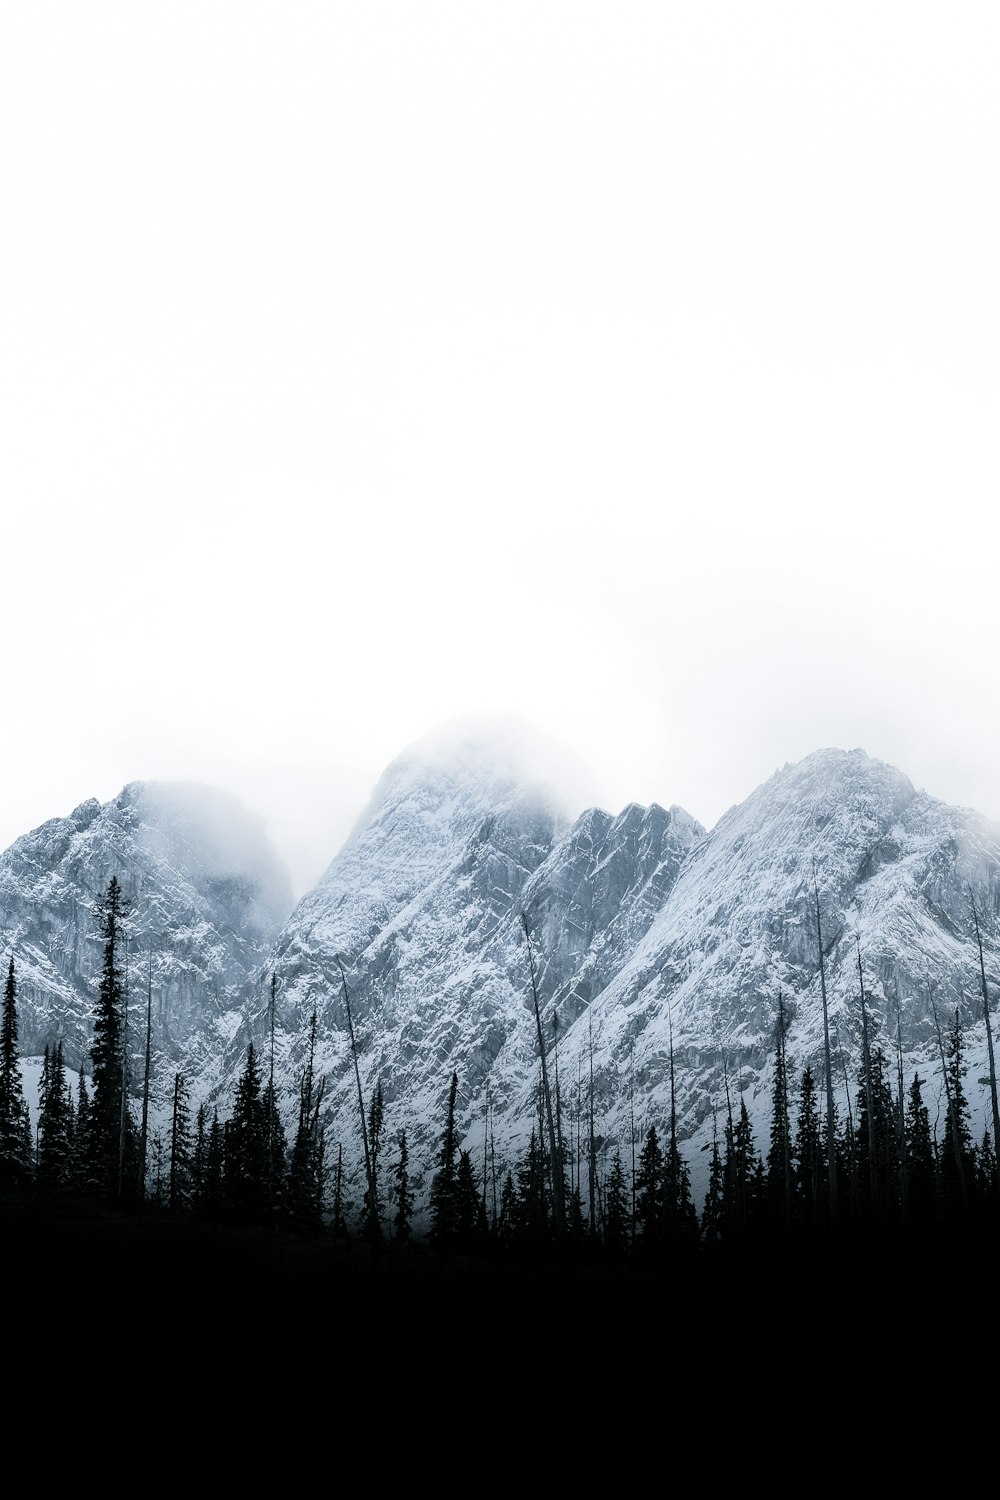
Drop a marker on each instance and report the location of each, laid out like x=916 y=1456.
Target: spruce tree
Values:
x=403 y=1192
x=809 y=1155
x=15 y=1128
x=958 y=1152
x=376 y=1124
x=617 y=1211
x=111 y=1133
x=54 y=1169
x=470 y=1214
x=778 y=1164
x=181 y=1148
x=213 y=1185
x=305 y=1173
x=445 y=1184
x=532 y=1214
x=246 y=1146
x=649 y=1195
x=921 y=1170
x=875 y=1141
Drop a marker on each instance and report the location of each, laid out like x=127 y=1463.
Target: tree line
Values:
x=875 y=1166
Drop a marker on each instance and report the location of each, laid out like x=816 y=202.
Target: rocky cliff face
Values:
x=208 y=896
x=839 y=852
x=660 y=954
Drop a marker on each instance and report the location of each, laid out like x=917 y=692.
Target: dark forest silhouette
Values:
x=879 y=1175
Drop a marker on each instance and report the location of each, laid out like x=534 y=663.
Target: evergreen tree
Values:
x=986 y=1175
x=275 y=1150
x=15 y=1126
x=401 y=1223
x=212 y=1175
x=876 y=1141
x=54 y=1168
x=809 y=1155
x=444 y=1218
x=778 y=1164
x=181 y=1147
x=111 y=1132
x=340 y=1207
x=743 y=1175
x=199 y=1155
x=713 y=1212
x=649 y=1195
x=470 y=1214
x=81 y=1135
x=921 y=1170
x=305 y=1171
x=506 y=1232
x=680 y=1217
x=376 y=1123
x=958 y=1154
x=246 y=1146
x=617 y=1211
x=533 y=1229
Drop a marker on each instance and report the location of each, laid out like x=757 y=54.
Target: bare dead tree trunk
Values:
x=831 y=1144
x=904 y=1170
x=144 y=1136
x=373 y=1226
x=592 y=1150
x=558 y=1203
x=989 y=1040
x=867 y=1056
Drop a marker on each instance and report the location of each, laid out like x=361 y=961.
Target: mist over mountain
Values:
x=660 y=953
x=208 y=895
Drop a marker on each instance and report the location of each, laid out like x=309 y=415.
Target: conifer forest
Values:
x=875 y=1185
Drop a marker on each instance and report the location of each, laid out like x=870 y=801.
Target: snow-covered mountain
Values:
x=648 y=936
x=208 y=896
x=467 y=888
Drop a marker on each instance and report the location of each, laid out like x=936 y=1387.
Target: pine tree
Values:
x=181 y=1148
x=274 y=1183
x=81 y=1135
x=921 y=1169
x=958 y=1153
x=713 y=1212
x=444 y=1221
x=649 y=1195
x=112 y=1136
x=376 y=1123
x=305 y=1172
x=340 y=1207
x=199 y=1156
x=54 y=1168
x=506 y=1231
x=276 y=1143
x=778 y=1165
x=403 y=1192
x=246 y=1146
x=470 y=1215
x=212 y=1193
x=617 y=1211
x=876 y=1141
x=532 y=1214
x=809 y=1155
x=15 y=1127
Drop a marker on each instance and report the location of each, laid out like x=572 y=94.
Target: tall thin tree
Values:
x=555 y=1151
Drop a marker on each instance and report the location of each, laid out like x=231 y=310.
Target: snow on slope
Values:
x=208 y=896
x=894 y=871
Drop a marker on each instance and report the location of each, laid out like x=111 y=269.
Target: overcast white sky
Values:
x=630 y=368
